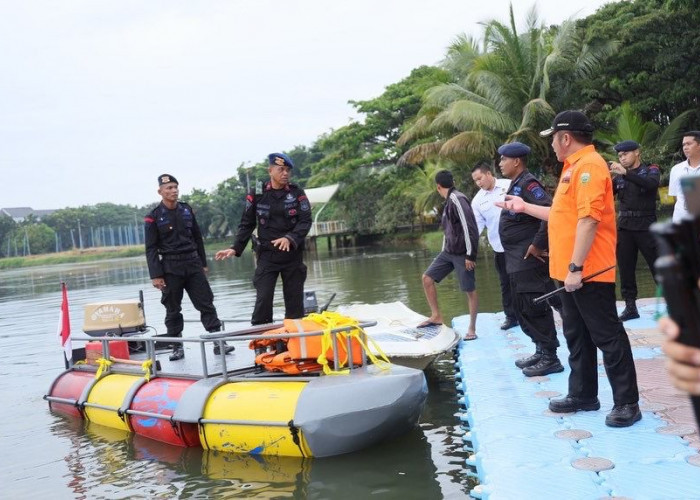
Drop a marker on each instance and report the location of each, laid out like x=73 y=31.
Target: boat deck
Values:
x=522 y=450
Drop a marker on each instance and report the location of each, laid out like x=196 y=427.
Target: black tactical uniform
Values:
x=175 y=252
x=529 y=278
x=277 y=213
x=636 y=192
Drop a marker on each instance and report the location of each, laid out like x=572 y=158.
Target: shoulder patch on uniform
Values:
x=653 y=168
x=148 y=219
x=536 y=189
x=304 y=204
x=585 y=177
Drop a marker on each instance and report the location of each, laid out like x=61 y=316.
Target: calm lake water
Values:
x=46 y=455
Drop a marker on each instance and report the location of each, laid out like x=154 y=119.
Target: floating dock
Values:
x=522 y=450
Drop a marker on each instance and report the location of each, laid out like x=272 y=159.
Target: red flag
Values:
x=64 y=325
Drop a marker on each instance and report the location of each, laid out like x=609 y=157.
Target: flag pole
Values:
x=64 y=328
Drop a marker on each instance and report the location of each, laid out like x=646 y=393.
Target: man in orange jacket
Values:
x=582 y=217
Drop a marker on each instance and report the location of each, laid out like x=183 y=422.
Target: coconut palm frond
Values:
x=536 y=113
x=471 y=143
x=418 y=130
x=420 y=153
x=440 y=96
x=674 y=131
x=461 y=54
x=592 y=56
x=467 y=115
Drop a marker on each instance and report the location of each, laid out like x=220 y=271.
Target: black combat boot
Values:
x=630 y=311
x=530 y=360
x=178 y=353
x=548 y=363
x=509 y=323
x=227 y=349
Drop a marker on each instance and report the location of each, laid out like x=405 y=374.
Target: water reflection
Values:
x=105 y=462
x=44 y=454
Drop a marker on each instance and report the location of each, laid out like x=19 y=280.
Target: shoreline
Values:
x=104 y=253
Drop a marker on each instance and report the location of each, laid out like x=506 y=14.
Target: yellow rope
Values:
x=146 y=367
x=104 y=364
x=331 y=320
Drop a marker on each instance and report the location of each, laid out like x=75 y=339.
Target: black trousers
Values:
x=293 y=277
x=506 y=294
x=629 y=244
x=536 y=320
x=189 y=276
x=591 y=323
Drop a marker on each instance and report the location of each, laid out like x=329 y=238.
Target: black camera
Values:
x=678 y=269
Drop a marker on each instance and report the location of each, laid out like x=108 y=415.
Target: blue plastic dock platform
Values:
x=522 y=450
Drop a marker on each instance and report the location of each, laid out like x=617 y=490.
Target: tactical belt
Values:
x=181 y=256
x=636 y=213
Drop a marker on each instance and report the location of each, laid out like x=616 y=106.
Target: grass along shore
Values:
x=431 y=240
x=85 y=255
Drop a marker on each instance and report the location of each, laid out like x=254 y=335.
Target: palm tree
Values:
x=503 y=94
x=649 y=135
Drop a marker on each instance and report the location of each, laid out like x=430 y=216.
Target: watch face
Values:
x=574 y=268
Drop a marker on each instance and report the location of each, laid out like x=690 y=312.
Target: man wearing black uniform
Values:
x=282 y=213
x=177 y=262
x=524 y=240
x=635 y=184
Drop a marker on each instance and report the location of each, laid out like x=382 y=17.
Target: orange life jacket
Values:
x=301 y=351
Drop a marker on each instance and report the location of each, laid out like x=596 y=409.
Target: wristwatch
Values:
x=574 y=268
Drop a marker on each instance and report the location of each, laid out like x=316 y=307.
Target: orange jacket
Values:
x=584 y=190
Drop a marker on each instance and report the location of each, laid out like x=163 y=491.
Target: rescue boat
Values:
x=338 y=398
x=396 y=333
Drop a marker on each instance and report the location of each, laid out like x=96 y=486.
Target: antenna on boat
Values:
x=325 y=306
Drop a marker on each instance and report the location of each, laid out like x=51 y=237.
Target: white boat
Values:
x=397 y=335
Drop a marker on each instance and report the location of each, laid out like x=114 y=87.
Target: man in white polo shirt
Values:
x=487 y=215
x=689 y=167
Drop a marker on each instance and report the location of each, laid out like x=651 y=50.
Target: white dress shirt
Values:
x=682 y=169
x=487 y=214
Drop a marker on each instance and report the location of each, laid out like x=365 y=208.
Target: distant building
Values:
x=18 y=214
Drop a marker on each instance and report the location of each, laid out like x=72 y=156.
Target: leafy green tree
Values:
x=227 y=204
x=31 y=239
x=7 y=226
x=656 y=67
x=201 y=203
x=372 y=143
x=504 y=95
x=657 y=143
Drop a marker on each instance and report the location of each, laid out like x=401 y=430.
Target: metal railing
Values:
x=328 y=228
x=218 y=338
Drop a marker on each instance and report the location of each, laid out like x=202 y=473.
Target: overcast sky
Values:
x=97 y=98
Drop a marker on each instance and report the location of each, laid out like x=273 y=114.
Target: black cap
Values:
x=514 y=150
x=626 y=146
x=280 y=159
x=166 y=178
x=569 y=120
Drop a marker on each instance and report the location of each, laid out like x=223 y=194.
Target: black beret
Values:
x=280 y=159
x=514 y=150
x=626 y=146
x=166 y=178
x=569 y=120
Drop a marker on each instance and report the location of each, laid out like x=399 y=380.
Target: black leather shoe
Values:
x=623 y=415
x=571 y=404
x=630 y=311
x=529 y=361
x=509 y=323
x=548 y=363
x=178 y=353
x=227 y=349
